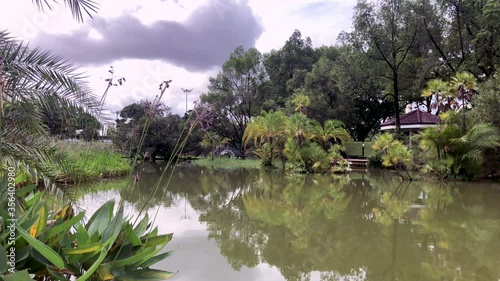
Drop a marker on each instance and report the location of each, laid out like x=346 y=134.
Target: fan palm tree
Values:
x=298 y=127
x=269 y=128
x=440 y=91
x=33 y=80
x=332 y=130
x=463 y=86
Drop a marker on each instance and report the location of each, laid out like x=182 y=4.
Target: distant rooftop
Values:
x=415 y=117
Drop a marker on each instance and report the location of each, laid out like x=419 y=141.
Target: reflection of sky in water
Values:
x=196 y=257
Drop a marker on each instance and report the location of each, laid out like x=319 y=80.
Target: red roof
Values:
x=414 y=117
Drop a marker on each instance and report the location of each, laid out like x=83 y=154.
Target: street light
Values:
x=186 y=91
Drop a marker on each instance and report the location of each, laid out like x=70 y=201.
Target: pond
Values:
x=255 y=225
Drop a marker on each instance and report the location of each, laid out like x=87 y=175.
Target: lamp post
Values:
x=186 y=91
x=363 y=150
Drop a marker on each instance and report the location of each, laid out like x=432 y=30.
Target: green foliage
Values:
x=228 y=163
x=91 y=160
x=453 y=153
x=55 y=244
x=487 y=102
x=42 y=81
x=394 y=154
x=149 y=131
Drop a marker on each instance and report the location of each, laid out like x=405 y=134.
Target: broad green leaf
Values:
x=82 y=237
x=133 y=259
x=104 y=271
x=115 y=226
x=18 y=276
x=39 y=226
x=141 y=228
x=25 y=190
x=143 y=275
x=94 y=267
x=47 y=252
x=101 y=218
x=158 y=240
x=132 y=235
x=83 y=250
x=28 y=223
x=3 y=260
x=65 y=226
x=156 y=259
x=32 y=199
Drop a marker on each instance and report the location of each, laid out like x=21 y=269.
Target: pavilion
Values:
x=412 y=122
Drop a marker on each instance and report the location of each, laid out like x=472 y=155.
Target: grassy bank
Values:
x=92 y=160
x=228 y=163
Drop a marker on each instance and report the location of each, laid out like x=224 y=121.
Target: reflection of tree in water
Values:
x=363 y=227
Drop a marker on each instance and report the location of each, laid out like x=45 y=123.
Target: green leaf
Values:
x=94 y=267
x=41 y=222
x=25 y=190
x=47 y=252
x=142 y=275
x=83 y=250
x=82 y=237
x=65 y=226
x=133 y=259
x=158 y=240
x=114 y=227
x=3 y=260
x=132 y=235
x=101 y=218
x=156 y=259
x=18 y=276
x=141 y=228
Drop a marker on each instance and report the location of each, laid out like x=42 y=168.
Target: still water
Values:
x=258 y=225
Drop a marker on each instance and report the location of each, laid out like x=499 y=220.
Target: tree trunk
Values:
x=396 y=102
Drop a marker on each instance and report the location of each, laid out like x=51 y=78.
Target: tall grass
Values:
x=92 y=160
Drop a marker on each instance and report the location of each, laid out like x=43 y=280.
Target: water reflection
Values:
x=319 y=227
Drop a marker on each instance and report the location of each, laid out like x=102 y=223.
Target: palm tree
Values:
x=331 y=132
x=269 y=128
x=468 y=150
x=440 y=92
x=463 y=86
x=298 y=127
x=34 y=80
x=301 y=102
x=438 y=138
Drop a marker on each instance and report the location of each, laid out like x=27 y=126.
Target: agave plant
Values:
x=59 y=245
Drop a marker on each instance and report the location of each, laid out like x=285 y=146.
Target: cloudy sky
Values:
x=187 y=41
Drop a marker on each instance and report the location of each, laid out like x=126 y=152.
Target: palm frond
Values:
x=78 y=7
x=30 y=72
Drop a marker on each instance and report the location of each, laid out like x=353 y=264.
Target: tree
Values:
x=232 y=94
x=362 y=92
x=150 y=126
x=281 y=65
x=387 y=33
x=487 y=102
x=332 y=131
x=267 y=131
